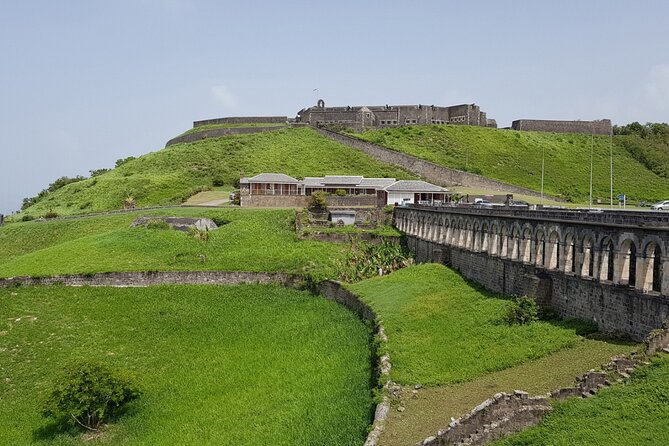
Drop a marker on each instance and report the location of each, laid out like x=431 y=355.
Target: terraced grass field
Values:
x=242 y=365
x=515 y=157
x=250 y=240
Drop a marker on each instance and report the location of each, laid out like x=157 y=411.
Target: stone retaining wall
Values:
x=148 y=278
x=432 y=172
x=243 y=120
x=217 y=133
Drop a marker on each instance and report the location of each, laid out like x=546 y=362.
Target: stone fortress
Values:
x=365 y=117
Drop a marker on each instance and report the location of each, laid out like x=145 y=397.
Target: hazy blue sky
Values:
x=83 y=83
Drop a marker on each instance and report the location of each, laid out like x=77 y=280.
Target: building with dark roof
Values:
x=360 y=118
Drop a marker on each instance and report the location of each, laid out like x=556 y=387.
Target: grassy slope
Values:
x=631 y=414
x=244 y=365
x=515 y=157
x=171 y=175
x=253 y=240
x=443 y=330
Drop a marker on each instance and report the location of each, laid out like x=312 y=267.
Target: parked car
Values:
x=661 y=206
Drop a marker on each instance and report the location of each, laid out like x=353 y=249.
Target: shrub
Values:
x=340 y=193
x=51 y=214
x=318 y=202
x=522 y=310
x=365 y=260
x=199 y=234
x=218 y=182
x=88 y=395
x=27 y=218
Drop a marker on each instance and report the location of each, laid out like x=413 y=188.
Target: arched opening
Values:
x=569 y=257
x=494 y=240
x=652 y=268
x=476 y=244
x=540 y=249
x=627 y=263
x=484 y=238
x=588 y=265
x=514 y=240
x=607 y=256
x=504 y=242
x=553 y=251
x=525 y=246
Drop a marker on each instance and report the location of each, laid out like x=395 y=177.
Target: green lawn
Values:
x=443 y=330
x=244 y=365
x=252 y=240
x=172 y=175
x=515 y=157
x=631 y=414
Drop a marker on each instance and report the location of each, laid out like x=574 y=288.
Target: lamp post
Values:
x=611 y=158
x=543 y=158
x=592 y=144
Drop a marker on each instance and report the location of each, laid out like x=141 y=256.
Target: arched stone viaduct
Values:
x=611 y=268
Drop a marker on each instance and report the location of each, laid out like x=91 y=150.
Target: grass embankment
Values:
x=449 y=336
x=515 y=157
x=244 y=365
x=251 y=240
x=171 y=175
x=631 y=414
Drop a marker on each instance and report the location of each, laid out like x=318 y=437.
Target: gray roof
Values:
x=273 y=178
x=313 y=181
x=377 y=182
x=342 y=179
x=414 y=186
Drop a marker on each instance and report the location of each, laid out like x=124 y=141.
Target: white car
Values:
x=661 y=206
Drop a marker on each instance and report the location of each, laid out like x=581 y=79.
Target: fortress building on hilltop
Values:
x=360 y=118
x=598 y=127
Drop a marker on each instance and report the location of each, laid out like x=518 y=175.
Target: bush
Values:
x=88 y=395
x=318 y=202
x=27 y=218
x=340 y=193
x=365 y=260
x=51 y=214
x=218 y=182
x=522 y=310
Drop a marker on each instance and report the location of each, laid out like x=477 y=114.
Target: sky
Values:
x=86 y=82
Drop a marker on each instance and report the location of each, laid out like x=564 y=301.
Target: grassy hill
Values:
x=515 y=157
x=171 y=175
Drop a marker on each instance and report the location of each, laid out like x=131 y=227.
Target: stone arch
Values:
x=485 y=237
x=476 y=244
x=587 y=255
x=469 y=235
x=569 y=253
x=539 y=246
x=553 y=250
x=651 y=265
x=504 y=241
x=525 y=244
x=606 y=259
x=320 y=103
x=514 y=242
x=626 y=262
x=494 y=239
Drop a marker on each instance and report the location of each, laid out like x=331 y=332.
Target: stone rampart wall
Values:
x=274 y=201
x=432 y=172
x=602 y=127
x=351 y=200
x=243 y=120
x=218 y=133
x=148 y=278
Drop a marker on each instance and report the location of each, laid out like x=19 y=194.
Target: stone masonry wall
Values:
x=432 y=172
x=217 y=133
x=273 y=201
x=602 y=127
x=148 y=278
x=243 y=120
x=612 y=307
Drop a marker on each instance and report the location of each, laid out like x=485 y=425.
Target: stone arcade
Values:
x=611 y=268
